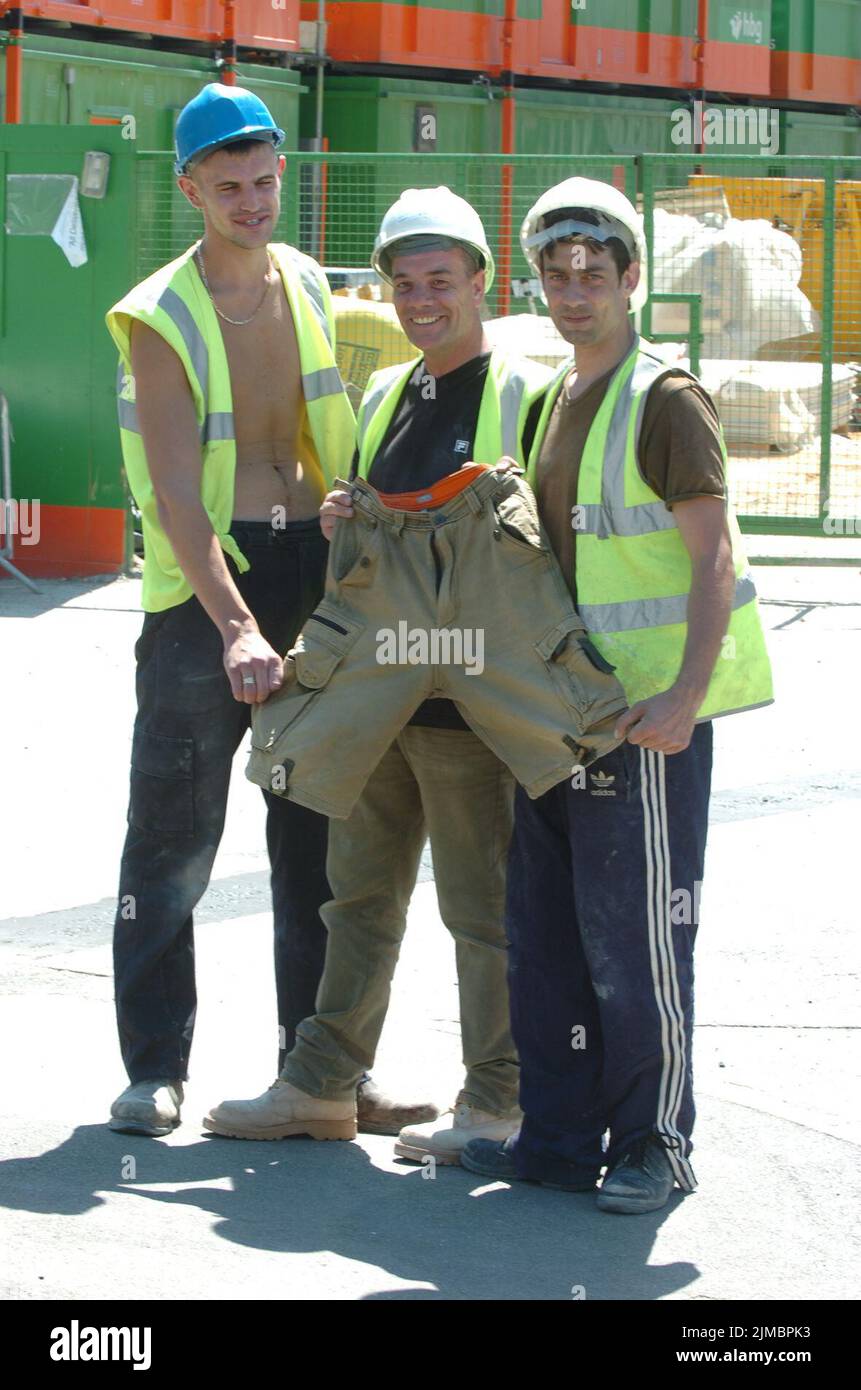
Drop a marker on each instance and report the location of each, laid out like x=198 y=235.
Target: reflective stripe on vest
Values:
x=217 y=425
x=653 y=612
x=311 y=286
x=328 y=381
x=510 y=401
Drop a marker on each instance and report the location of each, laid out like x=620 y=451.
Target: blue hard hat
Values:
x=217 y=116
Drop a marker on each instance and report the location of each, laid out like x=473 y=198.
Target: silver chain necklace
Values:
x=237 y=323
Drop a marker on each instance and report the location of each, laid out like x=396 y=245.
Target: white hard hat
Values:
x=615 y=215
x=431 y=212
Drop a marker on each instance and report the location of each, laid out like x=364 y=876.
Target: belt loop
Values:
x=475 y=503
x=398 y=525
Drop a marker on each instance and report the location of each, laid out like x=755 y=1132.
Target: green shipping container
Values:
x=71 y=82
x=811 y=132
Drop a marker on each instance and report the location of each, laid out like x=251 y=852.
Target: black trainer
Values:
x=494 y=1160
x=642 y=1180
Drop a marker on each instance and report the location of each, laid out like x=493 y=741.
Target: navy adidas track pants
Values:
x=603 y=894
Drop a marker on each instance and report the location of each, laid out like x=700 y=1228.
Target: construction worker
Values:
x=418 y=424
x=234 y=422
x=628 y=465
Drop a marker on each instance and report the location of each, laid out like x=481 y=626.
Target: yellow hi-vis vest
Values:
x=511 y=386
x=632 y=568
x=174 y=302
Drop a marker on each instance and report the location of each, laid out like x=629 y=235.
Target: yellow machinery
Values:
x=368 y=336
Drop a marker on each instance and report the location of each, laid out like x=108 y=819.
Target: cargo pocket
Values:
x=514 y=524
x=580 y=673
x=327 y=637
x=161 y=802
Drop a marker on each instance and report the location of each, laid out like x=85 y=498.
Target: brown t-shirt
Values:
x=679 y=453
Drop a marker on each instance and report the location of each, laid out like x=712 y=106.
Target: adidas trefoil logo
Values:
x=602 y=783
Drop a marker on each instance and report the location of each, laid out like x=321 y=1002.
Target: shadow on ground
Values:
x=17 y=601
x=467 y=1240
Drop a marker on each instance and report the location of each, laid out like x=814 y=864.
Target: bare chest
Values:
x=265 y=374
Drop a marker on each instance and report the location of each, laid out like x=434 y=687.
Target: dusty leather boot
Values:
x=281 y=1112
x=378 y=1113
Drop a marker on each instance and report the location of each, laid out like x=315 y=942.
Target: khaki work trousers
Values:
x=445 y=784
x=407 y=593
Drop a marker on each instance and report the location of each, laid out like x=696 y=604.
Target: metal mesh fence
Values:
x=755 y=266
x=773 y=255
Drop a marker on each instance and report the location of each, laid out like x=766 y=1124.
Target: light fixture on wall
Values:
x=94 y=179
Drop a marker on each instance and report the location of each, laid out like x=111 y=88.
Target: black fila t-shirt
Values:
x=432 y=430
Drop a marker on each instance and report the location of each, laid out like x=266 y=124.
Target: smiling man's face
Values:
x=437 y=298
x=238 y=193
x=586 y=296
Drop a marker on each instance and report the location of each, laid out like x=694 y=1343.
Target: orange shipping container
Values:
x=559 y=39
x=266 y=24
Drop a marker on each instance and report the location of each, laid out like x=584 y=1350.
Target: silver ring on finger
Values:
x=249 y=680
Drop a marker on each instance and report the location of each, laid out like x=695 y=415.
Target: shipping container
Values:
x=817 y=50
x=389 y=114
x=73 y=82
x=261 y=24
x=811 y=132
x=458 y=34
x=737 y=54
x=608 y=43
x=618 y=42
x=403 y=115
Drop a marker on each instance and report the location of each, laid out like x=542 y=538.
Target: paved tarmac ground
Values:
x=90 y=1214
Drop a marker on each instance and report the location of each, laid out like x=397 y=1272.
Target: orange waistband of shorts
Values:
x=434 y=496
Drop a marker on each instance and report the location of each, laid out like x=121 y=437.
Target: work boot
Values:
x=147 y=1107
x=281 y=1112
x=445 y=1141
x=377 y=1113
x=496 y=1161
x=642 y=1180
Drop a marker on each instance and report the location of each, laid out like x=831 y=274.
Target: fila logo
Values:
x=461 y=446
x=602 y=784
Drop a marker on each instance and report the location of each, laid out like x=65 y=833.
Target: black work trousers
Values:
x=187 y=730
